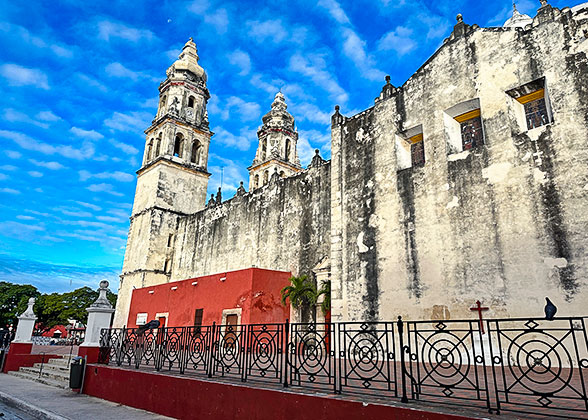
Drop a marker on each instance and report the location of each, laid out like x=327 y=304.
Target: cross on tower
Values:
x=480 y=308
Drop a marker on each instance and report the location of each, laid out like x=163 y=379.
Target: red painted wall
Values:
x=19 y=355
x=256 y=291
x=189 y=398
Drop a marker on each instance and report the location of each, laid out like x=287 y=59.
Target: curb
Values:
x=29 y=408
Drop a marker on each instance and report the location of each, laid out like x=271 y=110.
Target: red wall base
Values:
x=19 y=355
x=188 y=398
x=91 y=352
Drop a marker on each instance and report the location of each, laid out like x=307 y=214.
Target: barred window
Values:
x=472 y=134
x=417 y=150
x=536 y=113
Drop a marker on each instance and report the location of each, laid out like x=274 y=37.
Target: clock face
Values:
x=190 y=113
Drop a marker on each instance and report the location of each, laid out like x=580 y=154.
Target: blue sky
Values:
x=79 y=85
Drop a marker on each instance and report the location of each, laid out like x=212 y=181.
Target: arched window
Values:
x=178 y=145
x=158 y=146
x=263 y=148
x=149 y=149
x=195 y=156
x=282 y=174
x=162 y=103
x=256 y=181
x=287 y=154
x=265 y=177
x=191 y=101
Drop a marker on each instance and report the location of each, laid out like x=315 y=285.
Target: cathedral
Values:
x=468 y=182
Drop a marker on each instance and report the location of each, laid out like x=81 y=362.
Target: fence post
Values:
x=211 y=352
x=404 y=398
x=286 y=351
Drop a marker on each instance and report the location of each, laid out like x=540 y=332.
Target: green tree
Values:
x=13 y=301
x=57 y=308
x=302 y=294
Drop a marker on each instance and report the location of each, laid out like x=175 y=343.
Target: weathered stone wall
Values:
x=506 y=222
x=284 y=225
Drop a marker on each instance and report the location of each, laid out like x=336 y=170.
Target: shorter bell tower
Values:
x=277 y=150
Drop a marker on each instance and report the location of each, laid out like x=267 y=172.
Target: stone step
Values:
x=53 y=375
x=51 y=366
x=42 y=380
x=61 y=362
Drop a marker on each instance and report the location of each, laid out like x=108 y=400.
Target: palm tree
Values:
x=301 y=292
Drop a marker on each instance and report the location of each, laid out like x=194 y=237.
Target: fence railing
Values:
x=527 y=365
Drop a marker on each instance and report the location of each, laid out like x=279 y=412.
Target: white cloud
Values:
x=310 y=112
x=108 y=29
x=399 y=40
x=89 y=134
x=35 y=174
x=118 y=70
x=173 y=54
x=73 y=212
x=22 y=76
x=259 y=81
x=3 y=177
x=268 y=30
x=248 y=111
x=109 y=219
x=28 y=143
x=9 y=191
x=355 y=49
x=315 y=67
x=13 y=154
x=116 y=175
x=335 y=10
x=241 y=60
x=23 y=217
x=219 y=19
x=49 y=165
x=136 y=121
x=47 y=116
x=127 y=148
x=35 y=41
x=8 y=168
x=13 y=115
x=89 y=205
x=107 y=188
x=89 y=81
x=61 y=51
x=241 y=141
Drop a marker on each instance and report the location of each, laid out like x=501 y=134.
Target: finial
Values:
x=336 y=108
x=459 y=18
x=514 y=6
x=316 y=151
x=241 y=183
x=190 y=39
x=387 y=79
x=543 y=3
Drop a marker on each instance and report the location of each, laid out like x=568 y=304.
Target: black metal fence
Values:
x=530 y=366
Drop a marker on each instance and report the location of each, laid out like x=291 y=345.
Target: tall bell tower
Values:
x=172 y=180
x=276 y=151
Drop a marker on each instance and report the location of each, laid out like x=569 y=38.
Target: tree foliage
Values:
x=325 y=290
x=13 y=301
x=51 y=309
x=301 y=292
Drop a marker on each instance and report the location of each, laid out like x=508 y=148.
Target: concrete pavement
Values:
x=46 y=402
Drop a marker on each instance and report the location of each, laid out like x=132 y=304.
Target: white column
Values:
x=26 y=324
x=99 y=314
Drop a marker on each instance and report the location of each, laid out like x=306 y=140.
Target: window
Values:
x=287 y=154
x=282 y=174
x=149 y=149
x=162 y=103
x=531 y=104
x=256 y=181
x=265 y=177
x=191 y=102
x=470 y=125
x=464 y=129
x=166 y=266
x=195 y=157
x=198 y=320
x=170 y=239
x=158 y=145
x=263 y=148
x=417 y=150
x=178 y=145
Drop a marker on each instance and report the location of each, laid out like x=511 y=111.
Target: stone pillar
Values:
x=99 y=315
x=26 y=324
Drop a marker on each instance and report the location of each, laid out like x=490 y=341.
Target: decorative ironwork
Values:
x=472 y=134
x=366 y=357
x=540 y=366
x=447 y=363
x=522 y=365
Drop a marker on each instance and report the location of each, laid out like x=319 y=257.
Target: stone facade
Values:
x=468 y=182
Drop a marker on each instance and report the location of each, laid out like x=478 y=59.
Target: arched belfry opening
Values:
x=179 y=145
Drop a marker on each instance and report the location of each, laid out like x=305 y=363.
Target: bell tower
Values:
x=277 y=151
x=172 y=180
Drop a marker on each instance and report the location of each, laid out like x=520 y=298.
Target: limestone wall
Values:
x=506 y=222
x=284 y=225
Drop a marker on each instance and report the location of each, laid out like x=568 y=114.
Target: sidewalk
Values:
x=46 y=402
